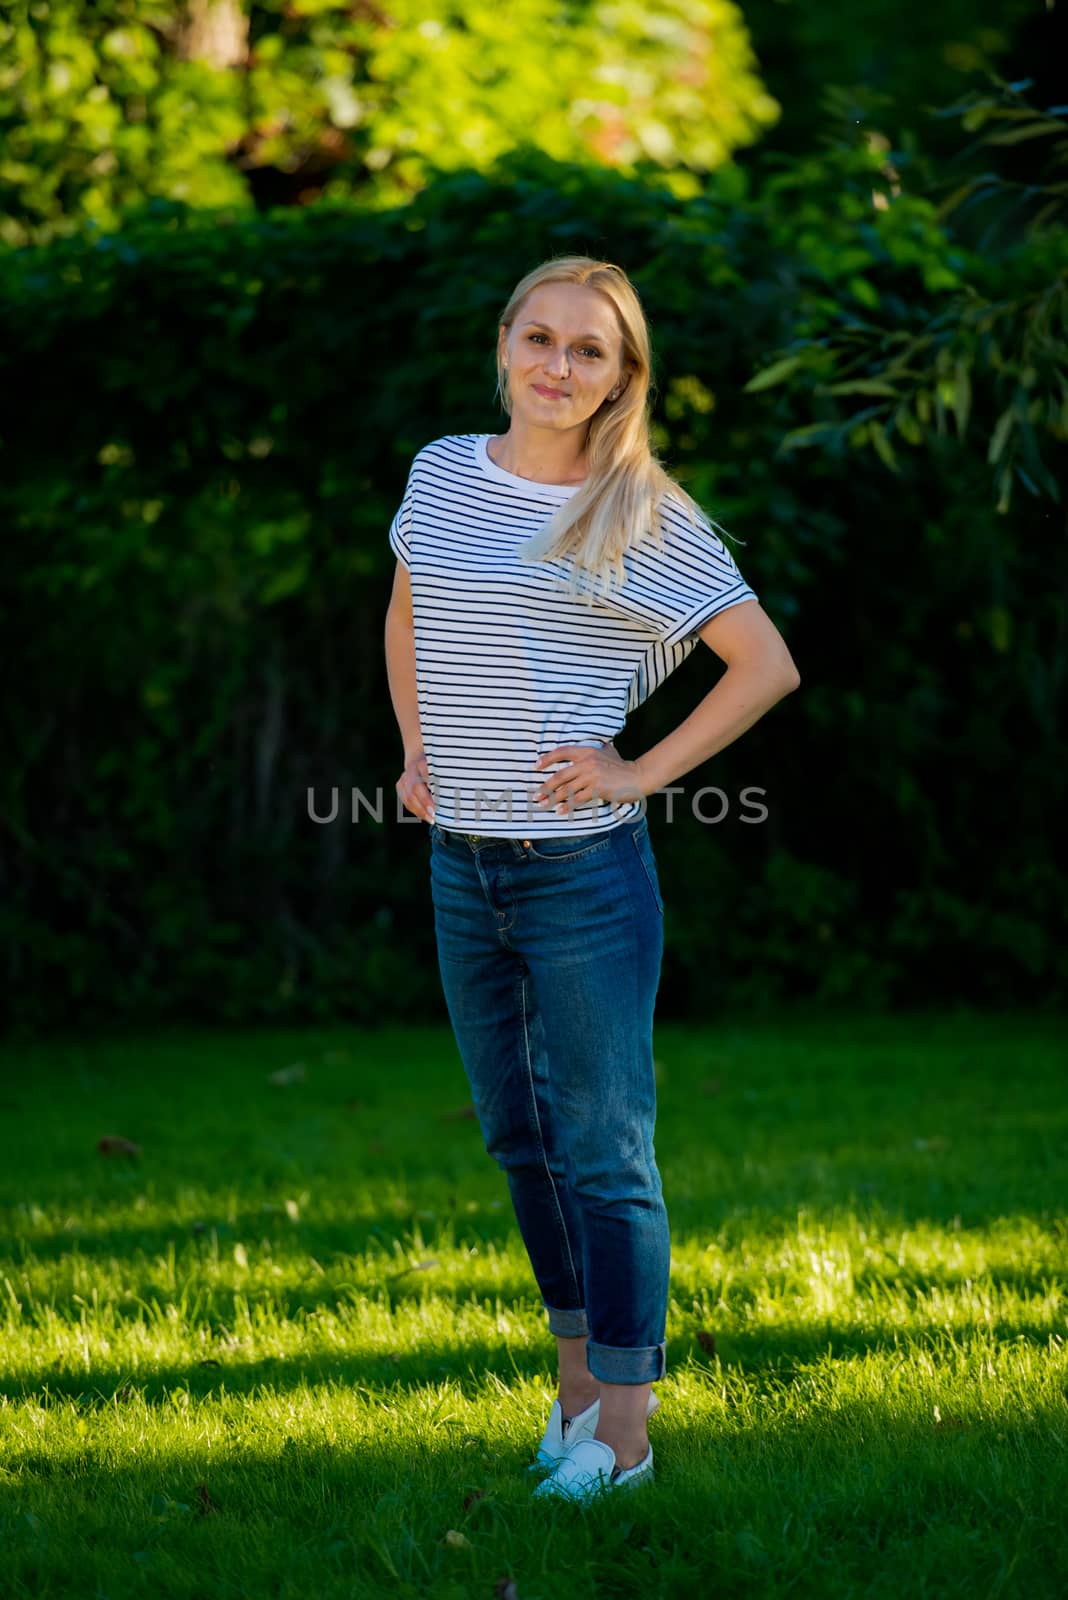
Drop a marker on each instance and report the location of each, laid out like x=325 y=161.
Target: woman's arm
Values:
x=413 y=785
x=400 y=663
x=760 y=672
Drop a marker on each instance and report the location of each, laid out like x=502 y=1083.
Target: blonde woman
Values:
x=548 y=580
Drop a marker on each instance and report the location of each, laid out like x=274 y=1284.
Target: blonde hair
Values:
x=619 y=502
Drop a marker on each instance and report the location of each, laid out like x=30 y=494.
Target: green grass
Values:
x=294 y=1346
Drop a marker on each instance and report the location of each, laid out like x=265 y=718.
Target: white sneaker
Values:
x=588 y=1470
x=558 y=1439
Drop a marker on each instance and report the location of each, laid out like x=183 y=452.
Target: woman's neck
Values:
x=539 y=464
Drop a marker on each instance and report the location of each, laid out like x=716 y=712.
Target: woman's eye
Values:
x=586 y=347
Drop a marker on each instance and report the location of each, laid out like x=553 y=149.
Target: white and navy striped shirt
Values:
x=507 y=664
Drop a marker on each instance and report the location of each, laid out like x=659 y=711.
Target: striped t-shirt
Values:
x=508 y=666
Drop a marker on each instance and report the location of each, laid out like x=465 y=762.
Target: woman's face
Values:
x=565 y=338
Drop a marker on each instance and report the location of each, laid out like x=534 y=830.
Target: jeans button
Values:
x=525 y=843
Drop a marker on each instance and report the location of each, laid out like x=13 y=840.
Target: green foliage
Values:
x=1000 y=319
x=105 y=104
x=865 y=64
x=197 y=573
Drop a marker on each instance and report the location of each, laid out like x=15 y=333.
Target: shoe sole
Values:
x=596 y=1490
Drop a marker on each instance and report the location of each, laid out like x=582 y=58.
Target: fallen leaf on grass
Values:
x=205 y=1505
x=469 y=1499
x=707 y=1341
x=458 y=1540
x=113 y=1145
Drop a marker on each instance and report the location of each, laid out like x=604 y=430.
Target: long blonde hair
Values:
x=618 y=504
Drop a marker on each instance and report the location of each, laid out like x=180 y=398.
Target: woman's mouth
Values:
x=550 y=394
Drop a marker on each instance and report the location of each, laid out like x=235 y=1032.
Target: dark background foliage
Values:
x=208 y=417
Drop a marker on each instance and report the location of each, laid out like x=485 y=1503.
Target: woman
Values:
x=548 y=580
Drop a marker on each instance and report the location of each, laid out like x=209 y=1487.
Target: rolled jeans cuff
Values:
x=611 y=1364
x=568 y=1324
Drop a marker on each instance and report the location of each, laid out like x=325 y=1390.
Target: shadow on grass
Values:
x=493 y=1225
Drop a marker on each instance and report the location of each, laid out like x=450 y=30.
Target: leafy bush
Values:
x=197 y=573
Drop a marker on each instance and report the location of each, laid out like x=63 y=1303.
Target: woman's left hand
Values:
x=598 y=773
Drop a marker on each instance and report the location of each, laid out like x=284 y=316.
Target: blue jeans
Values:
x=550 y=952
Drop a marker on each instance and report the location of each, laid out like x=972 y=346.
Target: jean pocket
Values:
x=643 y=846
x=569 y=846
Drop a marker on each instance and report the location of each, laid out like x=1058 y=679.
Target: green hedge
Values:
x=207 y=424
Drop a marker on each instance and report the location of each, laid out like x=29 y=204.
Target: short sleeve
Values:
x=400 y=527
x=691 y=579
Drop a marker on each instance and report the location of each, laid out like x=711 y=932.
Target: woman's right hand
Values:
x=414 y=788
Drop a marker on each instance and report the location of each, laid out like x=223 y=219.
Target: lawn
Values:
x=290 y=1345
